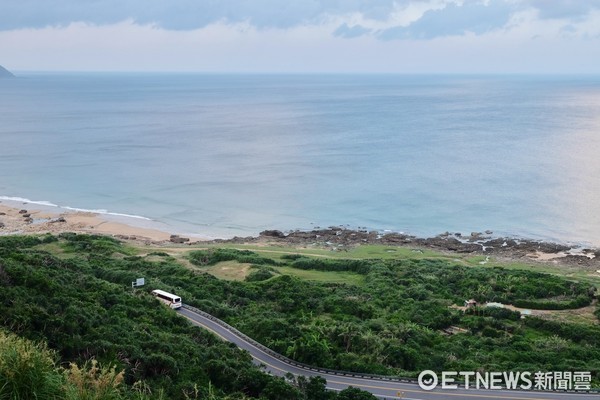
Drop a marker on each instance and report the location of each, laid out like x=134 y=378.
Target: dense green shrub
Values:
x=578 y=302
x=291 y=256
x=495 y=312
x=213 y=256
x=399 y=321
x=28 y=370
x=324 y=264
x=93 y=244
x=261 y=274
x=84 y=308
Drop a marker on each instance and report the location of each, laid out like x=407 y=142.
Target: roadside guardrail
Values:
x=328 y=371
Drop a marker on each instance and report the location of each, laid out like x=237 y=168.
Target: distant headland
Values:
x=4 y=73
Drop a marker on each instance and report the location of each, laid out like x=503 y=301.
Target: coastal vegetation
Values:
x=69 y=299
x=70 y=325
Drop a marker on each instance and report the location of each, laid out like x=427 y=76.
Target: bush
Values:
x=292 y=257
x=93 y=382
x=95 y=244
x=577 y=302
x=353 y=393
x=213 y=256
x=262 y=274
x=159 y=254
x=320 y=264
x=27 y=370
x=397 y=320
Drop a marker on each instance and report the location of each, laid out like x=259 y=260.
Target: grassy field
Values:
x=381 y=252
x=234 y=271
x=323 y=276
x=227 y=270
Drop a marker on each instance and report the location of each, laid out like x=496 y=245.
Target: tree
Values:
x=353 y=393
x=278 y=389
x=315 y=388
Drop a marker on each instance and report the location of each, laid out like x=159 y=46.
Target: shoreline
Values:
x=33 y=218
x=29 y=218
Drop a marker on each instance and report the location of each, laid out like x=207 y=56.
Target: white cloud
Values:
x=302 y=36
x=565 y=9
x=527 y=45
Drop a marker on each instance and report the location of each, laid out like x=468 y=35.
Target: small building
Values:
x=470 y=303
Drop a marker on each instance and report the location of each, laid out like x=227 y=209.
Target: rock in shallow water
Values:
x=178 y=239
x=273 y=233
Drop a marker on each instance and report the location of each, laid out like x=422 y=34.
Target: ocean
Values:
x=225 y=155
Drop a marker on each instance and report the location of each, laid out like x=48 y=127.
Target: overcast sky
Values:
x=406 y=36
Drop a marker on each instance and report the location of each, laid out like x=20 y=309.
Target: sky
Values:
x=302 y=36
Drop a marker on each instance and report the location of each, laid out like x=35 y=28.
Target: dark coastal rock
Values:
x=495 y=243
x=333 y=236
x=2 y=213
x=29 y=220
x=449 y=243
x=238 y=240
x=59 y=219
x=178 y=239
x=396 y=238
x=499 y=244
x=342 y=238
x=2 y=225
x=580 y=260
x=27 y=215
x=4 y=73
x=126 y=237
x=522 y=246
x=273 y=233
x=23 y=212
x=547 y=247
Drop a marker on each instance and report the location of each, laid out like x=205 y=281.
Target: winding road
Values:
x=380 y=387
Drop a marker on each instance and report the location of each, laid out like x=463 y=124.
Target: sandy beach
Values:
x=31 y=219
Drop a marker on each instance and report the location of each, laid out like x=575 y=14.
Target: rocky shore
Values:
x=476 y=243
x=33 y=221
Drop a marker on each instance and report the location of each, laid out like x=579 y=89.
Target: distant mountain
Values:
x=4 y=73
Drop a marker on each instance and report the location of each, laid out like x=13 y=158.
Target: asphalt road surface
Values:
x=382 y=389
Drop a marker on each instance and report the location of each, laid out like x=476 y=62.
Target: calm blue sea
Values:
x=225 y=155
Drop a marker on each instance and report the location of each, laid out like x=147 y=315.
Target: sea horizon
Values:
x=224 y=155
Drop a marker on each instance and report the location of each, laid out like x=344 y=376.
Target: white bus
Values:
x=170 y=299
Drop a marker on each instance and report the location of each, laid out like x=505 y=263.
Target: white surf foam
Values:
x=50 y=204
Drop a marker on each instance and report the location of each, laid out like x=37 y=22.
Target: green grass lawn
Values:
x=275 y=252
x=323 y=276
x=227 y=270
